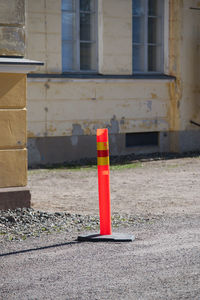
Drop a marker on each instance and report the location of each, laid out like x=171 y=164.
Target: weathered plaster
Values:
x=120 y=106
x=12 y=12
x=12 y=32
x=71 y=109
x=43 y=31
x=183 y=63
x=76 y=131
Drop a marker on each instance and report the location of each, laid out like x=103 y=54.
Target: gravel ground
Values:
x=162 y=263
x=20 y=224
x=157 y=201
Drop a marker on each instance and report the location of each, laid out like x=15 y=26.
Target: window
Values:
x=148 y=36
x=142 y=139
x=79 y=35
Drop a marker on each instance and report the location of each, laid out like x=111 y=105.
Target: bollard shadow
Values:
x=38 y=248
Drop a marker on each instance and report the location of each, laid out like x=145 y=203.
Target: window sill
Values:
x=100 y=76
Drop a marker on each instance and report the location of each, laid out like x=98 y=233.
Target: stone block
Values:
x=12 y=12
x=13 y=166
x=12 y=41
x=12 y=90
x=12 y=198
x=13 y=128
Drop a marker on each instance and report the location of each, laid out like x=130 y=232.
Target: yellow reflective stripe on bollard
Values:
x=102 y=146
x=103 y=161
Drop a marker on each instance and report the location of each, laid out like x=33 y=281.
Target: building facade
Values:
x=13 y=125
x=132 y=66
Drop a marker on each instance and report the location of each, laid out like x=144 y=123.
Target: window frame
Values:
x=76 y=39
x=146 y=43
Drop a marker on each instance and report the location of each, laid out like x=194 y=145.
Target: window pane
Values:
x=154 y=58
x=153 y=8
x=78 y=35
x=153 y=30
x=138 y=29
x=68 y=5
x=86 y=27
x=68 y=25
x=138 y=58
x=87 y=5
x=68 y=56
x=147 y=35
x=87 y=56
x=138 y=7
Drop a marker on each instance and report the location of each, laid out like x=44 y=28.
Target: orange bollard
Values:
x=104 y=181
x=104 y=196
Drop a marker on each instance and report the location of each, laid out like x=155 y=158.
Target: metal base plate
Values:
x=115 y=237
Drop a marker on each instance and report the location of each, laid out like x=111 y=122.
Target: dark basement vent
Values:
x=142 y=139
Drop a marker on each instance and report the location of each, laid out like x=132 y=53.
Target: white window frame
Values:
x=146 y=44
x=77 y=40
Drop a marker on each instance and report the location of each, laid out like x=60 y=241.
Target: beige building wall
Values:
x=72 y=107
x=190 y=74
x=43 y=30
x=59 y=105
x=115 y=36
x=184 y=62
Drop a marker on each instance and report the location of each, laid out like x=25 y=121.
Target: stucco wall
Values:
x=115 y=36
x=63 y=107
x=73 y=108
x=43 y=30
x=184 y=59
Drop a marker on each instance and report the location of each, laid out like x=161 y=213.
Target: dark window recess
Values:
x=142 y=139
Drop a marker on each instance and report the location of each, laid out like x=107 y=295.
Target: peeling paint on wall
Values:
x=149 y=105
x=175 y=92
x=76 y=131
x=12 y=12
x=33 y=153
x=12 y=31
x=12 y=41
x=114 y=125
x=154 y=96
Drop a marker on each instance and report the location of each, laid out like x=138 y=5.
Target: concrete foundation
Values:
x=53 y=150
x=58 y=150
x=12 y=198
